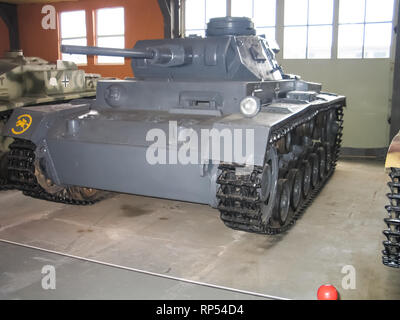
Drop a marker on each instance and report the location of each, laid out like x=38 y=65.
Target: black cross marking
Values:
x=65 y=81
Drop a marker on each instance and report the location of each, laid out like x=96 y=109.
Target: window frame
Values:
x=72 y=38
x=257 y=27
x=205 y=21
x=364 y=24
x=280 y=25
x=96 y=36
x=228 y=8
x=307 y=26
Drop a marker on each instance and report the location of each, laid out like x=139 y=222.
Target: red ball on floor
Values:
x=327 y=292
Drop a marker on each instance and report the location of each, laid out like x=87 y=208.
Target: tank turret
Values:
x=231 y=51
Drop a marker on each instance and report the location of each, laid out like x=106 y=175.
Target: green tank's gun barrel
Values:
x=113 y=52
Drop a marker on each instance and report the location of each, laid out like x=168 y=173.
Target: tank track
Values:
x=391 y=252
x=22 y=176
x=239 y=195
x=4 y=182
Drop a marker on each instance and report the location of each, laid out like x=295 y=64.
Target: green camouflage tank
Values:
x=31 y=80
x=27 y=81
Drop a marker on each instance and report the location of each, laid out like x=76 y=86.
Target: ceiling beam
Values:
x=170 y=10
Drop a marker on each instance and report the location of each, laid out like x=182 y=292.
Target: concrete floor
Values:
x=77 y=278
x=342 y=227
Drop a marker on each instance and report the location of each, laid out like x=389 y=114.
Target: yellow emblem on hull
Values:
x=24 y=121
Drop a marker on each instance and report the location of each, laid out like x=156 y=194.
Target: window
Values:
x=73 y=31
x=199 y=12
x=110 y=32
x=308 y=29
x=262 y=12
x=365 y=28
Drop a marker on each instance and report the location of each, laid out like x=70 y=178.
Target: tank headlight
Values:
x=250 y=106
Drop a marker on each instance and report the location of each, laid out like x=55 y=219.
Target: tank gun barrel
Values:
x=113 y=52
x=162 y=55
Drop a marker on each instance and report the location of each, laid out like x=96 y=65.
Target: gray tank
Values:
x=209 y=120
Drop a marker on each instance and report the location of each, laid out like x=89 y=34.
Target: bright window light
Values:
x=319 y=42
x=351 y=41
x=308 y=29
x=215 y=9
x=378 y=38
x=365 y=28
x=351 y=11
x=199 y=12
x=379 y=11
x=262 y=12
x=295 y=42
x=73 y=32
x=242 y=8
x=296 y=12
x=110 y=33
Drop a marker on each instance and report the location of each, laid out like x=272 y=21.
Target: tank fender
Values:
x=253 y=143
x=33 y=123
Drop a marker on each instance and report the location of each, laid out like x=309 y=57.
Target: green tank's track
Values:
x=4 y=183
x=391 y=252
x=239 y=196
x=22 y=176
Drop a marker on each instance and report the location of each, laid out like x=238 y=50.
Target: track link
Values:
x=21 y=169
x=391 y=252
x=240 y=204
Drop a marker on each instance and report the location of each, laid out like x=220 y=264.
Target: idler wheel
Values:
x=282 y=204
x=314 y=161
x=295 y=178
x=322 y=162
x=307 y=173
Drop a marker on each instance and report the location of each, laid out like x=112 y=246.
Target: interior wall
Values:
x=367 y=84
x=4 y=38
x=143 y=20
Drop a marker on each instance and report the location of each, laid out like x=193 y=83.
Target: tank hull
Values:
x=108 y=150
